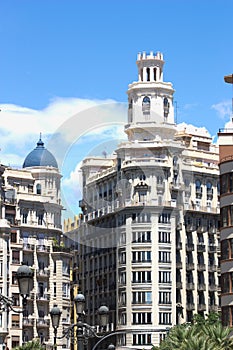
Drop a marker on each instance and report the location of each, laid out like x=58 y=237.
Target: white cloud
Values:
x=63 y=118
x=223 y=109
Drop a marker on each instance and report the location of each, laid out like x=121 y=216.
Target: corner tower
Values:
x=150 y=101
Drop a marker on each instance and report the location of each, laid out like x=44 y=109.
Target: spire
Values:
x=40 y=143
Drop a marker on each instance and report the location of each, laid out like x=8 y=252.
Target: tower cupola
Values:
x=150 y=100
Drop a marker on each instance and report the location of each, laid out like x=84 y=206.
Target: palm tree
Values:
x=32 y=345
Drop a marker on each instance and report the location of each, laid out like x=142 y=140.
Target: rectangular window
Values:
x=141 y=256
x=164 y=277
x=65 y=290
x=141 y=237
x=15 y=257
x=141 y=317
x=142 y=339
x=164 y=297
x=141 y=276
x=164 y=256
x=164 y=237
x=15 y=321
x=165 y=318
x=142 y=298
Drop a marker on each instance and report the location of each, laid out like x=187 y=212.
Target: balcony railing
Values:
x=190 y=266
x=201 y=286
x=41 y=322
x=190 y=286
x=42 y=248
x=201 y=307
x=28 y=321
x=201 y=267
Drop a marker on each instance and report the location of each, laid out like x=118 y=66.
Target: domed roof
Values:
x=40 y=156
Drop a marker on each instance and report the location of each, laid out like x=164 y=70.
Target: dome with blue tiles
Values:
x=40 y=156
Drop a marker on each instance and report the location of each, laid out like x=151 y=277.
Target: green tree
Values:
x=32 y=345
x=202 y=334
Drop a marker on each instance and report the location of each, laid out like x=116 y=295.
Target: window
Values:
x=40 y=217
x=141 y=237
x=164 y=277
x=141 y=256
x=65 y=290
x=142 y=339
x=146 y=105
x=25 y=217
x=38 y=189
x=141 y=217
x=164 y=257
x=141 y=276
x=142 y=298
x=142 y=317
x=15 y=321
x=165 y=318
x=13 y=237
x=164 y=237
x=164 y=297
x=164 y=218
x=15 y=257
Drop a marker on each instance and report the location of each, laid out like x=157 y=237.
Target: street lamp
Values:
x=24 y=276
x=55 y=314
x=80 y=332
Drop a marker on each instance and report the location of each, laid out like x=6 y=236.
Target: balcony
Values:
x=179 y=265
x=42 y=297
x=213 y=287
x=212 y=268
x=212 y=249
x=179 y=285
x=190 y=266
x=190 y=228
x=201 y=307
x=42 y=249
x=201 y=286
x=213 y=308
x=190 y=286
x=179 y=245
x=28 y=247
x=189 y=247
x=190 y=306
x=201 y=267
x=42 y=323
x=42 y=273
x=200 y=248
x=29 y=322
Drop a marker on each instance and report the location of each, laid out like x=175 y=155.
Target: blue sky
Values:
x=62 y=57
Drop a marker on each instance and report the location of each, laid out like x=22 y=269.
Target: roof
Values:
x=40 y=156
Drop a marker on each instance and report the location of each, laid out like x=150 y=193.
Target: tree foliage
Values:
x=32 y=345
x=202 y=334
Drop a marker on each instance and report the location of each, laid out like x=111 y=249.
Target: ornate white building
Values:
x=149 y=231
x=31 y=234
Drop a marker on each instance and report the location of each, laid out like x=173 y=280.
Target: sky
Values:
x=65 y=66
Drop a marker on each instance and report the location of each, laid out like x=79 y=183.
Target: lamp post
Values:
x=24 y=276
x=80 y=331
x=55 y=314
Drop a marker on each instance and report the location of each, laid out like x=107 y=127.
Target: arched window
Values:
x=146 y=101
x=38 y=189
x=165 y=102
